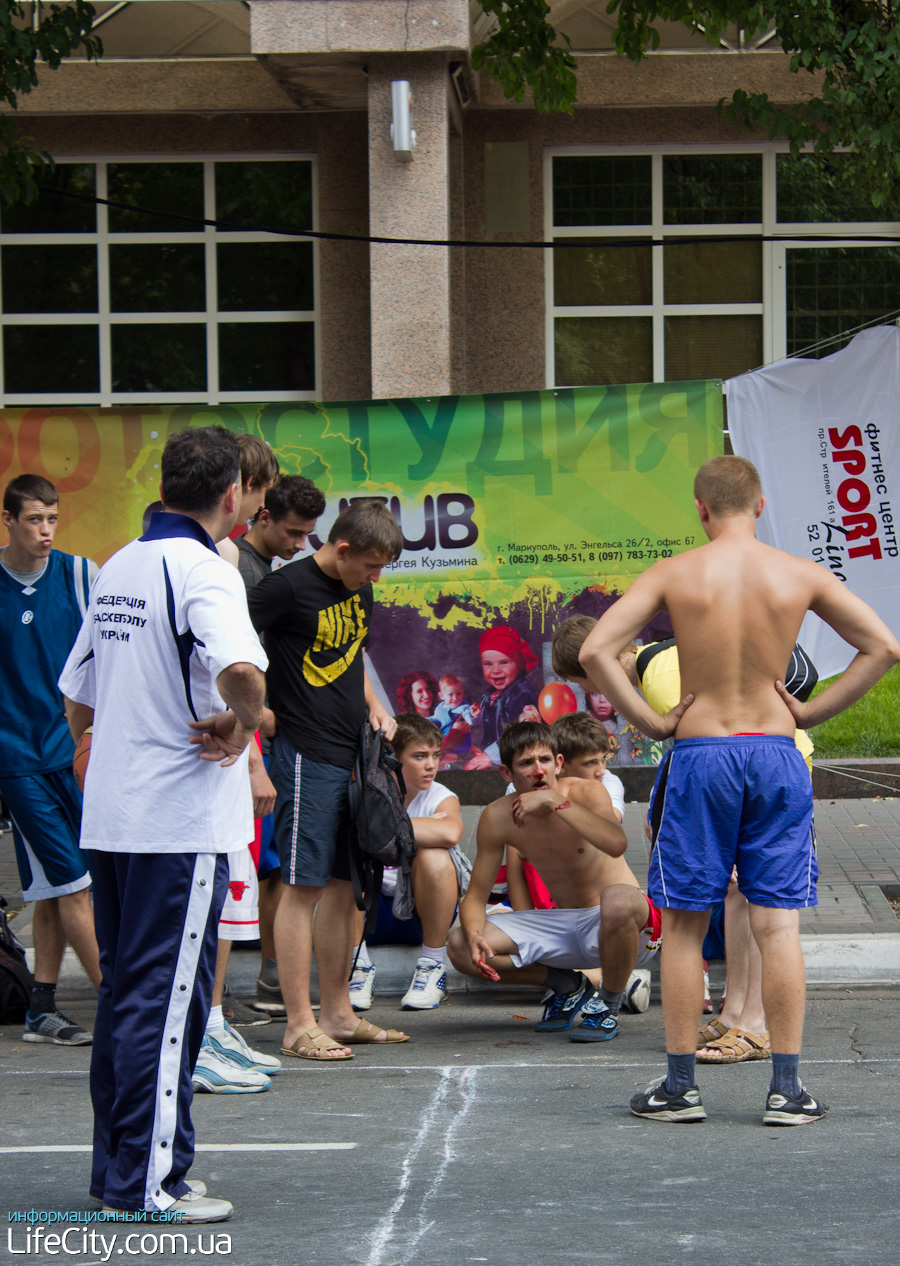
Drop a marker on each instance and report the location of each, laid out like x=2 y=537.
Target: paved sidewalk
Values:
x=852 y=936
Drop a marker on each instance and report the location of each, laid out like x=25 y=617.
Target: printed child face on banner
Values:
x=451 y=693
x=600 y=706
x=500 y=670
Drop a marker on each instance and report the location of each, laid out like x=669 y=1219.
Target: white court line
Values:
x=594 y=1061
x=381 y=1239
x=198 y=1147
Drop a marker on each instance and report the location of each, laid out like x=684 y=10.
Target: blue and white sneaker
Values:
x=560 y=1009
x=220 y=1076
x=598 y=1024
x=428 y=989
x=362 y=987
x=230 y=1045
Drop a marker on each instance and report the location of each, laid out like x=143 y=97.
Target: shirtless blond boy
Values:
x=735 y=789
x=567 y=829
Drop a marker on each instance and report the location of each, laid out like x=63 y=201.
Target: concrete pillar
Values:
x=410 y=285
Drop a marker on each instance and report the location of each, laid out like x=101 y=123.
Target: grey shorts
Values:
x=562 y=938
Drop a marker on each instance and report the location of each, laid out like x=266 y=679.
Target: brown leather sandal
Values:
x=711 y=1032
x=737 y=1046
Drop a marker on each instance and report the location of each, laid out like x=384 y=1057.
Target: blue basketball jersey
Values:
x=39 y=623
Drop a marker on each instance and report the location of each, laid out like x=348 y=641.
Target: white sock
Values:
x=434 y=952
x=216 y=1020
x=363 y=960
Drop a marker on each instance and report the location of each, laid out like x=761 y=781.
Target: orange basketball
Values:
x=81 y=757
x=556 y=699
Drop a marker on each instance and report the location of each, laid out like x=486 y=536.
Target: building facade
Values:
x=166 y=260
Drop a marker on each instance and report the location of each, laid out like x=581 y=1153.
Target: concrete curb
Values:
x=869 y=959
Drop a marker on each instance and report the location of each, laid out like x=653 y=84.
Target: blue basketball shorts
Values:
x=312 y=816
x=743 y=800
x=268 y=853
x=45 y=812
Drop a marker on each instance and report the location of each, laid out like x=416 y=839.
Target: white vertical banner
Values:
x=825 y=437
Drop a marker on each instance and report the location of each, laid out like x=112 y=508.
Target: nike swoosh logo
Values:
x=323 y=674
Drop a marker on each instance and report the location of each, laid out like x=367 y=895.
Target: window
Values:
x=661 y=269
x=140 y=300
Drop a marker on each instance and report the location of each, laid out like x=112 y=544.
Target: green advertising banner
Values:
x=517 y=511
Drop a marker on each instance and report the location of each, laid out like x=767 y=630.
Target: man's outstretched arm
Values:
x=615 y=630
x=877 y=651
x=473 y=907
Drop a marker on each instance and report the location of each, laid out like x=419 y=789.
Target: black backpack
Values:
x=16 y=980
x=382 y=833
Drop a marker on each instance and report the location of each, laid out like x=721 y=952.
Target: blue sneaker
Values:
x=598 y=1024
x=560 y=1009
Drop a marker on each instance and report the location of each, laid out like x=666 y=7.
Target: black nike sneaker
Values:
x=793 y=1109
x=657 y=1104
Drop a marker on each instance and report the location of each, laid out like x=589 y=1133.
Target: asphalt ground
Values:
x=483 y=1141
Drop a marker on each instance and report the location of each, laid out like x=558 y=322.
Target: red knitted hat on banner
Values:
x=509 y=642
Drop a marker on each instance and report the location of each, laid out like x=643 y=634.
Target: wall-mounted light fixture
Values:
x=403 y=135
x=458 y=77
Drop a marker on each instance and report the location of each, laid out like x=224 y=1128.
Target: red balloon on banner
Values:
x=556 y=699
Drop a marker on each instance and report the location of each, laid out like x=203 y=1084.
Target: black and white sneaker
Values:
x=793 y=1109
x=656 y=1104
x=560 y=1009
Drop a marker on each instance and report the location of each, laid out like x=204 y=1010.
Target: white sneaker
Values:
x=219 y=1076
x=196 y=1185
x=230 y=1045
x=428 y=989
x=637 y=992
x=362 y=987
x=192 y=1206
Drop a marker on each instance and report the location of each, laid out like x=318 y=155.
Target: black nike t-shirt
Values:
x=315 y=630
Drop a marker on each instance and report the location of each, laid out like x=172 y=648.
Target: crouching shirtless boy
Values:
x=567 y=829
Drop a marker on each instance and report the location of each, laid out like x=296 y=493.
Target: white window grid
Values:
x=212 y=317
x=772 y=309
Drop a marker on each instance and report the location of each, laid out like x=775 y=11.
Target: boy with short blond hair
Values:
x=439 y=873
x=583 y=742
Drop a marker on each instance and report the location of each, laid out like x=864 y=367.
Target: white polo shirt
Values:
x=167 y=615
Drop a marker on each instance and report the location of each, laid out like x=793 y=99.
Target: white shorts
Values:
x=240 y=914
x=563 y=938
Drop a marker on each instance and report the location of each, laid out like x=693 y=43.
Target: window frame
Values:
x=208 y=236
x=773 y=307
